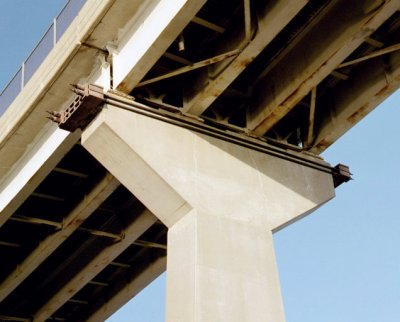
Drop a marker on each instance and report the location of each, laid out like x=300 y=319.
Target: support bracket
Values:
x=341 y=173
x=82 y=110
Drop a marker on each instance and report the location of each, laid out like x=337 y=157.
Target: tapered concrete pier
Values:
x=221 y=203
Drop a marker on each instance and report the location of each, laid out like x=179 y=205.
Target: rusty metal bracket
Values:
x=341 y=173
x=82 y=110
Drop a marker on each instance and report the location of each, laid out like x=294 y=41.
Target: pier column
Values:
x=221 y=203
x=220 y=269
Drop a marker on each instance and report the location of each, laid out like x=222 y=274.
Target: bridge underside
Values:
x=68 y=238
x=290 y=75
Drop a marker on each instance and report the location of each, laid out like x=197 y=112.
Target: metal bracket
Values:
x=341 y=173
x=82 y=110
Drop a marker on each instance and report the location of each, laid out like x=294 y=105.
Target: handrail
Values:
x=39 y=53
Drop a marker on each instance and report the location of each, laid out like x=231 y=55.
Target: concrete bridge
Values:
x=200 y=122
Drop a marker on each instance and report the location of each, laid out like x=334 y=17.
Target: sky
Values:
x=341 y=263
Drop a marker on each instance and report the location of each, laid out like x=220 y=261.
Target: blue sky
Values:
x=340 y=264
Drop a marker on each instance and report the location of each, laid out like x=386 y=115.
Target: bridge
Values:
x=197 y=121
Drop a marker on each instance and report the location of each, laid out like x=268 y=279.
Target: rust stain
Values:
x=75 y=222
x=294 y=97
x=383 y=93
x=245 y=62
x=290 y=102
x=284 y=107
x=365 y=109
x=359 y=114
x=323 y=144
x=123 y=87
x=269 y=121
x=215 y=93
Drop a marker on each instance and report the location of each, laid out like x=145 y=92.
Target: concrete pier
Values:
x=221 y=203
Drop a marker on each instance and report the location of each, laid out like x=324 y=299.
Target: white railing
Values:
x=39 y=53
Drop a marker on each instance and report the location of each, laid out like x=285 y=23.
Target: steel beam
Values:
x=70 y=172
x=193 y=66
x=158 y=25
x=38 y=164
x=374 y=54
x=310 y=133
x=337 y=34
x=144 y=221
x=371 y=83
x=208 y=25
x=270 y=22
x=82 y=211
x=130 y=290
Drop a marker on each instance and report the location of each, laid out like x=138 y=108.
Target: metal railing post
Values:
x=22 y=75
x=54 y=31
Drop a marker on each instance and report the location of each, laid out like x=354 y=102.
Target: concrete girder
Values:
x=154 y=27
x=370 y=84
x=337 y=34
x=82 y=211
x=143 y=222
x=269 y=23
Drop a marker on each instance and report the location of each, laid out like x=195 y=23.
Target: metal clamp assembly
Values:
x=83 y=109
x=341 y=173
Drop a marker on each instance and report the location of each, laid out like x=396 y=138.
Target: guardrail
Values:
x=39 y=53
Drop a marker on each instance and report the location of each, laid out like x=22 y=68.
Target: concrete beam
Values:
x=143 y=222
x=154 y=27
x=336 y=35
x=82 y=211
x=144 y=183
x=370 y=84
x=269 y=23
x=131 y=289
x=171 y=170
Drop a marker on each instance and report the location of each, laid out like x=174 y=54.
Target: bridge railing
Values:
x=39 y=53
